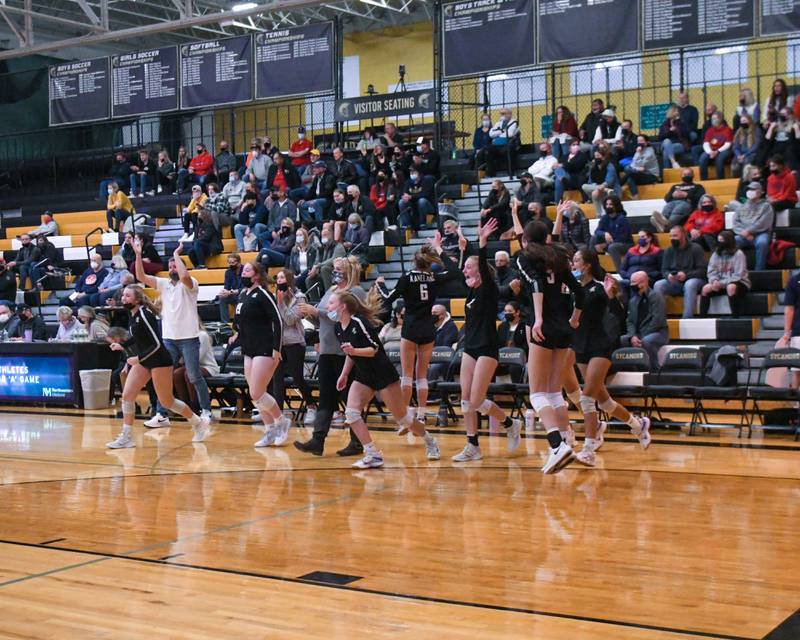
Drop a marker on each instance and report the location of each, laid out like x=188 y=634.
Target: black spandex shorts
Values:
x=380 y=382
x=583 y=357
x=554 y=340
x=487 y=352
x=418 y=332
x=257 y=348
x=160 y=358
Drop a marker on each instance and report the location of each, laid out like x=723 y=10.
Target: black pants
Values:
x=292 y=360
x=329 y=368
x=736 y=300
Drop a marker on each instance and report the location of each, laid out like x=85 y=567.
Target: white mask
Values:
x=110 y=191
x=4 y=317
x=325 y=241
x=751 y=195
x=300 y=136
x=419 y=148
x=299 y=239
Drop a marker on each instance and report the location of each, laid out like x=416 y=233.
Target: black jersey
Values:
x=419 y=290
x=376 y=372
x=145 y=336
x=555 y=286
x=258 y=323
x=480 y=326
x=591 y=336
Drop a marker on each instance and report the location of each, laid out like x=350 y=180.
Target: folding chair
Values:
x=449 y=386
x=685 y=363
x=729 y=393
x=759 y=390
x=516 y=361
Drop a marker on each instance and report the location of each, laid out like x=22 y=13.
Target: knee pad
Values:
x=556 y=400
x=485 y=406
x=351 y=415
x=128 y=407
x=177 y=406
x=607 y=405
x=422 y=383
x=266 y=404
x=539 y=401
x=587 y=405
x=405 y=381
x=466 y=407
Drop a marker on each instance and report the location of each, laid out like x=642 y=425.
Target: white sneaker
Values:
x=512 y=435
x=338 y=419
x=369 y=461
x=282 y=431
x=586 y=456
x=268 y=438
x=403 y=428
x=202 y=430
x=205 y=413
x=468 y=454
x=123 y=441
x=186 y=237
x=569 y=437
x=151 y=193
x=601 y=429
x=559 y=458
x=160 y=188
x=432 y=449
x=255 y=416
x=157 y=421
x=644 y=436
x=311 y=415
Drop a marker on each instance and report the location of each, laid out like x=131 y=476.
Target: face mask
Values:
x=174 y=276
x=299 y=239
x=128 y=305
x=199 y=151
x=96 y=266
x=2 y=268
x=234 y=178
x=337 y=277
x=676 y=244
x=110 y=191
x=744 y=125
x=640 y=147
x=642 y=242
x=576 y=273
x=256 y=153
x=419 y=148
x=635 y=288
x=504 y=119
x=501 y=268
x=574 y=150
x=625 y=131
x=687 y=179
x=486 y=123
x=715 y=122
x=283 y=286
x=543 y=153
x=339 y=200
x=509 y=317
x=775 y=171
x=781 y=117
x=325 y=241
x=247 y=281
x=610 y=211
x=4 y=317
x=707 y=207
x=300 y=136
x=413 y=177
x=285 y=231
x=751 y=195
x=353 y=227
x=333 y=316
x=742 y=102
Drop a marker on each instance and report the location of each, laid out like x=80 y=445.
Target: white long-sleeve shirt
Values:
x=504 y=130
x=544 y=168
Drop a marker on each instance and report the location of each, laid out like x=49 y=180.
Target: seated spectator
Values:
x=697 y=149
x=674 y=139
x=28 y=323
x=343 y=171
x=748 y=107
x=234 y=192
x=390 y=332
x=192 y=211
x=118 y=208
x=746 y=144
x=399 y=162
x=199 y=171
x=777 y=101
x=504 y=135
x=224 y=163
x=535 y=211
x=717 y=147
x=303 y=257
x=751 y=173
x=67 y=324
x=229 y=294
x=383 y=195
x=320 y=194
x=644 y=256
x=25 y=261
x=690 y=117
x=781 y=185
x=506 y=278
x=257 y=166
x=391 y=136
x=683 y=270
x=49 y=261
x=111 y=283
x=574 y=226
x=564 y=130
x=49 y=226
x=362 y=205
x=181 y=162
x=119 y=174
x=88 y=284
x=625 y=147
x=608 y=129
x=681 y=200
x=282 y=174
x=590 y=124
x=337 y=214
x=356 y=239
x=300 y=150
x=446 y=330
x=143 y=175
x=570 y=174
x=8 y=320
x=306 y=177
x=151 y=260
x=647 y=319
x=426 y=160
x=527 y=192
x=166 y=173
x=217 y=205
x=643 y=168
x=705 y=223
x=727 y=275
x=602 y=179
x=96 y=327
x=613 y=233
x=116 y=299
x=781 y=139
x=281 y=208
x=542 y=171
x=126 y=249
x=207 y=240
x=378 y=162
x=319 y=278
x=275 y=252
x=497 y=205
x=416 y=202
x=481 y=141
x=8 y=284
x=511 y=331
x=752 y=224
x=366 y=145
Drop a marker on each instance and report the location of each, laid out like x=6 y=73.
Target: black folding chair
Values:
x=709 y=390
x=683 y=363
x=450 y=386
x=516 y=362
x=760 y=391
x=629 y=360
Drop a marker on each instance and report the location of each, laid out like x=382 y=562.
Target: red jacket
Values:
x=718 y=136
x=301 y=145
x=378 y=196
x=567 y=125
x=202 y=164
x=712 y=222
x=782 y=187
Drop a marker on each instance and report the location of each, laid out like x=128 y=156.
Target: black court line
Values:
x=174 y=555
x=789 y=629
x=46 y=542
x=378 y=592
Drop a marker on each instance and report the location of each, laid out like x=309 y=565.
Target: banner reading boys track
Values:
x=487 y=35
x=385 y=104
x=678 y=23
x=79 y=91
x=217 y=72
x=144 y=82
x=37 y=378
x=295 y=61
x=779 y=16
x=587 y=28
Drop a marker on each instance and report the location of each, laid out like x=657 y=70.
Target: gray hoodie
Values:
x=753 y=217
x=646 y=161
x=728 y=268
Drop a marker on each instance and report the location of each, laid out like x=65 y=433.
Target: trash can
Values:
x=96 y=385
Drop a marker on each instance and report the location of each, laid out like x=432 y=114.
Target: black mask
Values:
x=174 y=276
x=247 y=282
x=282 y=286
x=781 y=117
x=707 y=207
x=634 y=288
x=687 y=179
x=744 y=125
x=285 y=231
x=676 y=244
x=742 y=102
x=501 y=270
x=610 y=211
x=509 y=317
x=128 y=305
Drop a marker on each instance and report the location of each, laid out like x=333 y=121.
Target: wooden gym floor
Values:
x=695 y=538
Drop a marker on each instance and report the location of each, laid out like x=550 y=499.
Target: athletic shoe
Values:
x=157 y=421
x=283 y=425
x=311 y=415
x=268 y=438
x=403 y=429
x=470 y=453
x=601 y=429
x=205 y=413
x=369 y=461
x=338 y=419
x=569 y=438
x=586 y=456
x=353 y=448
x=512 y=435
x=255 y=416
x=432 y=449
x=559 y=458
x=123 y=441
x=644 y=436
x=659 y=221
x=151 y=193
x=201 y=431
x=312 y=446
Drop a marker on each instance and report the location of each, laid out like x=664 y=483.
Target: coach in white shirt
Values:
x=180 y=327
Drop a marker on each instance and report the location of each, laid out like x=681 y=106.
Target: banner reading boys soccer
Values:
x=79 y=91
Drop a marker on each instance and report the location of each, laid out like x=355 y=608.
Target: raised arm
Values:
x=183 y=272
x=141 y=276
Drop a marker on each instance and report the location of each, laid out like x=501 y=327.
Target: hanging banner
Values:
x=587 y=28
x=144 y=82
x=216 y=72
x=79 y=91
x=779 y=16
x=682 y=23
x=387 y=104
x=295 y=61
x=481 y=36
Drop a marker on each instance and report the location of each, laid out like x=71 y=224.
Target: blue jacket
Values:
x=113 y=279
x=481 y=139
x=634 y=261
x=740 y=147
x=233 y=279
x=618 y=227
x=94 y=282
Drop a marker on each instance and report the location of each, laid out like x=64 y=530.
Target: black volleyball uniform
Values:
x=419 y=290
x=480 y=330
x=376 y=372
x=556 y=305
x=146 y=340
x=591 y=339
x=258 y=323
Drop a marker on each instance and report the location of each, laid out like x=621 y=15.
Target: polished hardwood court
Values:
x=695 y=538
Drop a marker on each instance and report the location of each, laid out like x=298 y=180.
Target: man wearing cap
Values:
x=543 y=170
x=319 y=195
x=49 y=226
x=608 y=128
x=28 y=322
x=752 y=223
x=306 y=177
x=426 y=160
x=300 y=150
x=8 y=283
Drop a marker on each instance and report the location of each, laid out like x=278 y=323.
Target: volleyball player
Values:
x=547 y=276
x=593 y=347
x=372 y=371
x=152 y=361
x=481 y=351
x=419 y=289
x=259 y=330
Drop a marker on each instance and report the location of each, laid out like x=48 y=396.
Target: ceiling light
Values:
x=244 y=6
